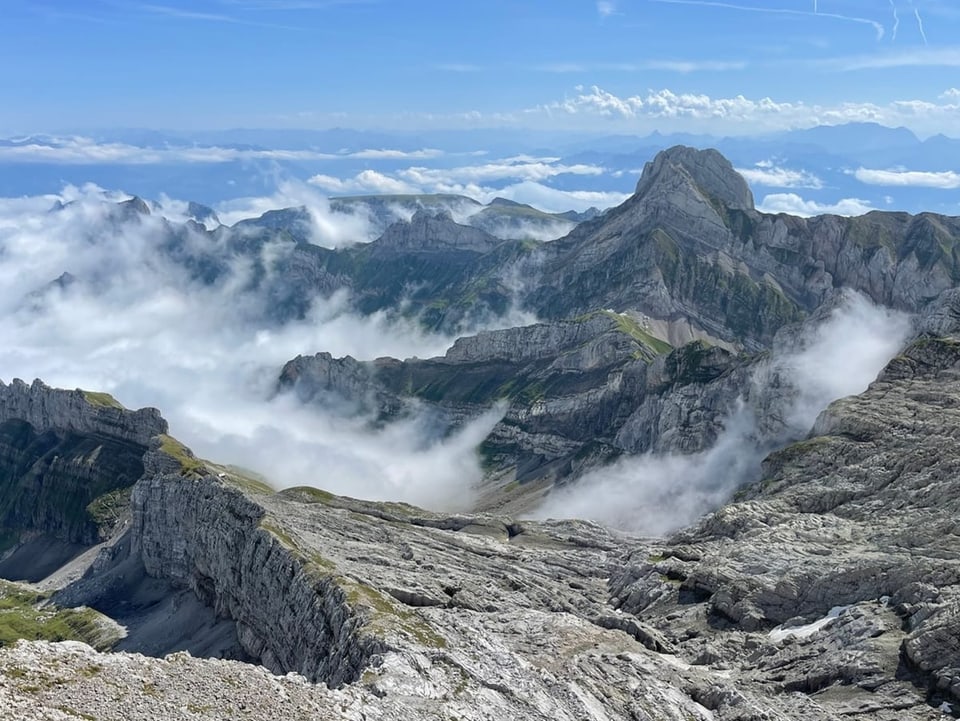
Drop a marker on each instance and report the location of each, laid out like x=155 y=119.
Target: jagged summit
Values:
x=202 y=213
x=507 y=202
x=427 y=230
x=134 y=206
x=705 y=171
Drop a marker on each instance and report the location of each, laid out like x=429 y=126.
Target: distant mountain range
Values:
x=846 y=168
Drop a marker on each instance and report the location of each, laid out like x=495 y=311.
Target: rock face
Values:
x=505 y=219
x=575 y=394
x=858 y=518
x=77 y=411
x=689 y=171
x=689 y=243
x=688 y=248
x=289 y=612
x=67 y=457
x=828 y=589
x=426 y=233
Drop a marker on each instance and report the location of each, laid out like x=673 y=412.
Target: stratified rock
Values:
x=860 y=520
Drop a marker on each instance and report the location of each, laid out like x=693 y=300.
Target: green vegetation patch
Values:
x=108 y=509
x=189 y=463
x=626 y=324
x=23 y=615
x=386 y=616
x=314 y=563
x=104 y=400
x=243 y=479
x=308 y=494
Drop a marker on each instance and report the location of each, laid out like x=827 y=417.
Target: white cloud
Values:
x=476 y=181
x=464 y=180
x=795 y=205
x=693 y=66
x=877 y=27
x=606 y=8
x=459 y=67
x=367 y=181
x=766 y=173
x=327 y=228
x=552 y=200
x=138 y=325
x=386 y=154
x=77 y=149
x=518 y=168
x=697 y=112
x=946 y=180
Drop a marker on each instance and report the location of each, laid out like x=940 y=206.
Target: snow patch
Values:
x=806 y=631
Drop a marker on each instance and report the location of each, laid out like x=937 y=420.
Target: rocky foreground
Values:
x=828 y=591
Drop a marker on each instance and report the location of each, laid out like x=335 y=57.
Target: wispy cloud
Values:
x=675 y=66
x=459 y=179
x=606 y=8
x=367 y=181
x=85 y=150
x=292 y=5
x=177 y=13
x=693 y=66
x=562 y=68
x=877 y=27
x=769 y=174
x=896 y=21
x=521 y=179
x=123 y=325
x=947 y=57
x=458 y=67
x=916 y=13
x=946 y=180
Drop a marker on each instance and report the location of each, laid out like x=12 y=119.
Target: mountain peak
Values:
x=430 y=231
x=707 y=170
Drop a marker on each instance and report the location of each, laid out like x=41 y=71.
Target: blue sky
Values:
x=620 y=65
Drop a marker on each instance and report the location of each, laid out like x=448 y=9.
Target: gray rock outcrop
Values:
x=78 y=411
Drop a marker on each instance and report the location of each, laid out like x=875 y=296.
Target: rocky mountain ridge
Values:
x=827 y=588
x=687 y=249
x=406 y=609
x=576 y=394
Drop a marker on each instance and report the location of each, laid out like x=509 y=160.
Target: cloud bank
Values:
x=83 y=150
x=771 y=175
x=138 y=325
x=740 y=115
x=519 y=178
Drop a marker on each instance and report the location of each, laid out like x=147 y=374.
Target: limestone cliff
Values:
x=828 y=589
x=67 y=459
x=689 y=244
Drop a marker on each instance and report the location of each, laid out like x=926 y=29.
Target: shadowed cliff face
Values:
x=49 y=479
x=67 y=462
